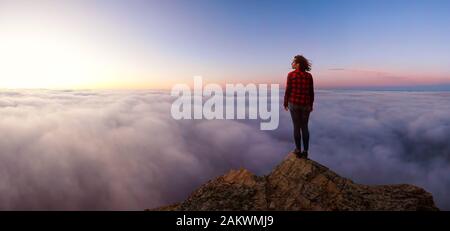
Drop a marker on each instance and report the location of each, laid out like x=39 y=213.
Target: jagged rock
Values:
x=300 y=184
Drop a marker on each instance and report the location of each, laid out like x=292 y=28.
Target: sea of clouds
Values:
x=122 y=150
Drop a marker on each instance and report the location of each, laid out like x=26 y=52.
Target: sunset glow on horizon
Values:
x=149 y=44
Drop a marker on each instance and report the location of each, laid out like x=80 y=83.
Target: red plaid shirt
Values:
x=299 y=89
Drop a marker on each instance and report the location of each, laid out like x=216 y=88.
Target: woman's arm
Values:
x=287 y=92
x=311 y=92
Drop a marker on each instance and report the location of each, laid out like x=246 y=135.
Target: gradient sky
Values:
x=155 y=44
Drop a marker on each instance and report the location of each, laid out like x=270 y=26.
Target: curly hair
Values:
x=305 y=64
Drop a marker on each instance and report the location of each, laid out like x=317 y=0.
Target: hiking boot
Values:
x=297 y=152
x=305 y=154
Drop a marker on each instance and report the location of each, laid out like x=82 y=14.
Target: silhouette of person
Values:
x=299 y=99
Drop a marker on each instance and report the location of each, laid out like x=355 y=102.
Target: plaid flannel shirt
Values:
x=299 y=89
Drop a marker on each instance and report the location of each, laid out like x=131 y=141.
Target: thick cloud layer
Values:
x=121 y=150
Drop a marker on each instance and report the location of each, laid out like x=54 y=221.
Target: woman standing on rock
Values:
x=299 y=99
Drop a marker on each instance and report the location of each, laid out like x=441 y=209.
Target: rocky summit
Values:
x=301 y=184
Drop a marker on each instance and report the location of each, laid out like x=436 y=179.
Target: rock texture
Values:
x=300 y=184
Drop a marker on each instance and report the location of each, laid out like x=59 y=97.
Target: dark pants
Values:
x=300 y=118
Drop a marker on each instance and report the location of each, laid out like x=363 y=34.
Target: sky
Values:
x=156 y=44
